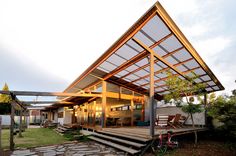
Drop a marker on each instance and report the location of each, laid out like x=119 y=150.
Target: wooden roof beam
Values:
x=159 y=57
x=133 y=60
x=185 y=72
x=47 y=102
x=31 y=93
x=162 y=70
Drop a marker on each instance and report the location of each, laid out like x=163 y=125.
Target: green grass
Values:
x=34 y=137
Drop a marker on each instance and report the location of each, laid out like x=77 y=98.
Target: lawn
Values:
x=34 y=137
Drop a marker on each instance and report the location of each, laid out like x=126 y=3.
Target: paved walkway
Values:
x=70 y=149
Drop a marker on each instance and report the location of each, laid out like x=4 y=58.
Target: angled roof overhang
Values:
x=126 y=62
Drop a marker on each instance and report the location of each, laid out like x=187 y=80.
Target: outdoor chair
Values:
x=175 y=121
x=162 y=121
x=123 y=121
x=182 y=121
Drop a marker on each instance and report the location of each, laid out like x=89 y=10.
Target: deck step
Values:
x=119 y=140
x=124 y=136
x=64 y=129
x=60 y=131
x=120 y=147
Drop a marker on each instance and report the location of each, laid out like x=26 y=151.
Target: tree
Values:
x=3 y=97
x=184 y=89
x=224 y=110
x=5 y=107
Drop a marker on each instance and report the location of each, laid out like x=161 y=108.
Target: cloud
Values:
x=50 y=43
x=24 y=75
x=209 y=27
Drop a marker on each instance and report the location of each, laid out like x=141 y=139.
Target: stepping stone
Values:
x=49 y=154
x=21 y=152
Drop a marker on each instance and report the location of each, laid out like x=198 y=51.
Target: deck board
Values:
x=143 y=132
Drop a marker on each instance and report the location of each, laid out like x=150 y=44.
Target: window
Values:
x=125 y=108
x=60 y=115
x=138 y=106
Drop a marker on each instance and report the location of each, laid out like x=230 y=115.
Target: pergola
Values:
x=140 y=59
x=23 y=105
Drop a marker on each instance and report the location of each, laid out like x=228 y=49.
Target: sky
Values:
x=46 y=44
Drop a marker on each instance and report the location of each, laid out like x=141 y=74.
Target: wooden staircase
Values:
x=62 y=129
x=130 y=145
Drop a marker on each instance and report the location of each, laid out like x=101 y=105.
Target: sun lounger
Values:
x=175 y=121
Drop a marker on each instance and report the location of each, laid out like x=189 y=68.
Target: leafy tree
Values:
x=210 y=99
x=224 y=109
x=3 y=97
x=5 y=107
x=184 y=89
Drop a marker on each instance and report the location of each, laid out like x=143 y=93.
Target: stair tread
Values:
x=123 y=148
x=64 y=129
x=60 y=131
x=125 y=136
x=119 y=140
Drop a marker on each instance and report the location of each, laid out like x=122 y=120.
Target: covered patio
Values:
x=139 y=61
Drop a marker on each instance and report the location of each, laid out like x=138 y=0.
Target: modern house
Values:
x=123 y=86
x=118 y=94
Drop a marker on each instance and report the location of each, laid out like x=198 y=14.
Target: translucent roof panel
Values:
x=182 y=55
x=151 y=26
x=171 y=60
x=134 y=45
x=117 y=60
x=123 y=72
x=205 y=78
x=216 y=88
x=126 y=52
x=132 y=77
x=142 y=62
x=141 y=73
x=181 y=68
x=131 y=68
x=199 y=71
x=160 y=51
x=191 y=64
x=211 y=83
x=144 y=39
x=171 y=44
x=108 y=66
x=127 y=60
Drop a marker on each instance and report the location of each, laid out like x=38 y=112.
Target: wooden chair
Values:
x=123 y=121
x=175 y=121
x=182 y=121
x=162 y=121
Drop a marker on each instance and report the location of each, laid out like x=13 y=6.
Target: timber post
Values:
x=205 y=105
x=132 y=109
x=12 y=126
x=104 y=103
x=20 y=125
x=151 y=95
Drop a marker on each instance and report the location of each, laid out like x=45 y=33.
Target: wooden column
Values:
x=143 y=110
x=94 y=109
x=12 y=126
x=25 y=117
x=132 y=109
x=104 y=103
x=20 y=125
x=151 y=95
x=205 y=104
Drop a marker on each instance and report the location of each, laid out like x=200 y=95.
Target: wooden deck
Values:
x=142 y=133
x=132 y=140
